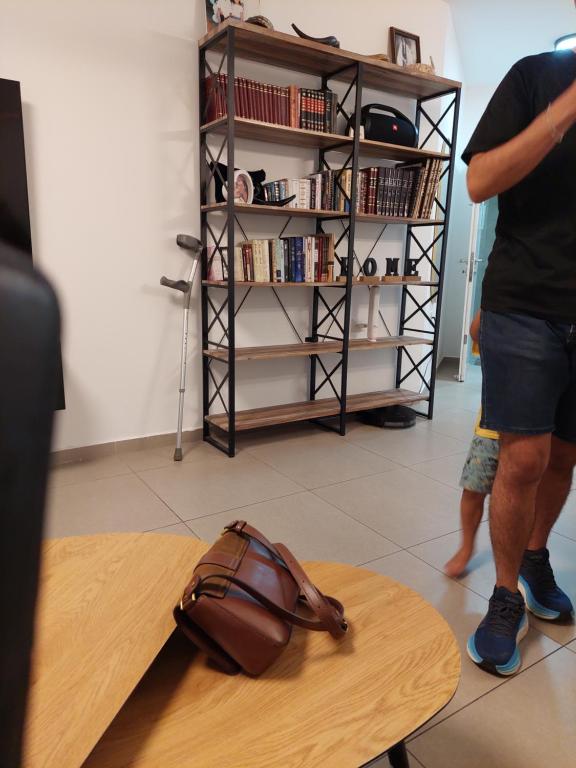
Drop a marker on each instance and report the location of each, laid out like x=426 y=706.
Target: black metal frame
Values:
x=325 y=308
x=412 y=307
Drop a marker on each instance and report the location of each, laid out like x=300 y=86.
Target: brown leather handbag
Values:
x=243 y=600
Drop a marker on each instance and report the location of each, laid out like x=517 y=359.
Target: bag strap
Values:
x=282 y=613
x=327 y=609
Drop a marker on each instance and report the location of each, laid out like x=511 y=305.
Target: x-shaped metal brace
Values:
x=416 y=367
x=436 y=125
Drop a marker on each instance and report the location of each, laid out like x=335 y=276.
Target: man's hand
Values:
x=491 y=173
x=475 y=328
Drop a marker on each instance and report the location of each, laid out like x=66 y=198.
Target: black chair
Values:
x=29 y=377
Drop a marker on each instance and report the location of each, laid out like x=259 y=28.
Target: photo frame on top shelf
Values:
x=404 y=47
x=218 y=11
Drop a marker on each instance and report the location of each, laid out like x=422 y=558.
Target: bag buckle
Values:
x=185 y=603
x=236 y=526
x=189 y=596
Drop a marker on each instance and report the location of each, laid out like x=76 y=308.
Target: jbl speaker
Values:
x=386 y=124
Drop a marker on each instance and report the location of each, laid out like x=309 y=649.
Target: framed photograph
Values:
x=405 y=47
x=243 y=188
x=218 y=11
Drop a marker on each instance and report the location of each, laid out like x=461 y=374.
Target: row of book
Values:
x=302 y=259
x=404 y=191
x=313 y=110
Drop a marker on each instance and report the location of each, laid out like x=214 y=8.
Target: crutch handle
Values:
x=189 y=242
x=178 y=285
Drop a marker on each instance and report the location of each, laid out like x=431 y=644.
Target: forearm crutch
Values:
x=185 y=286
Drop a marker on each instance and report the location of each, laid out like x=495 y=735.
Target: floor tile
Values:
x=210 y=482
x=112 y=504
x=179 y=529
x=163 y=455
x=320 y=459
x=90 y=469
x=481 y=573
x=528 y=722
x=455 y=423
x=313 y=529
x=572 y=646
x=407 y=446
x=147 y=458
x=402 y=505
x=459 y=396
x=446 y=470
x=463 y=611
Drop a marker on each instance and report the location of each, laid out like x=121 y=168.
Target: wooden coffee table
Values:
x=112 y=687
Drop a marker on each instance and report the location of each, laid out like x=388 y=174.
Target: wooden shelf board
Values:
x=277 y=134
x=334 y=284
x=375 y=219
x=384 y=342
x=312 y=213
x=272 y=210
x=314 y=409
x=282 y=134
x=292 y=52
x=314 y=348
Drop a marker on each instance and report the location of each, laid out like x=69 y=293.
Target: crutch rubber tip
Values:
x=178 y=454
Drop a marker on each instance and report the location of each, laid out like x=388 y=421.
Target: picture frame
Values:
x=404 y=47
x=218 y=11
x=243 y=188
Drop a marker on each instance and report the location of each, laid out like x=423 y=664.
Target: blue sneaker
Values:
x=494 y=645
x=538 y=586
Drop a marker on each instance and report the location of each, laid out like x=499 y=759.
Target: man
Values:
x=524 y=151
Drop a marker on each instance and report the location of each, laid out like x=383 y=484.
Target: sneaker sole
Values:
x=505 y=670
x=537 y=608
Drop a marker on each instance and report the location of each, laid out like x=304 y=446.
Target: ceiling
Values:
x=493 y=34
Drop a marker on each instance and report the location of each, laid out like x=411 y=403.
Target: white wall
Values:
x=110 y=109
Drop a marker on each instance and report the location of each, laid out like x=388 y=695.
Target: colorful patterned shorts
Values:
x=481 y=465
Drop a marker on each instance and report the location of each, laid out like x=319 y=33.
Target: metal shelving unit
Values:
x=329 y=332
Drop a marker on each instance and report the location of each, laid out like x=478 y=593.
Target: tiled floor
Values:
x=382 y=499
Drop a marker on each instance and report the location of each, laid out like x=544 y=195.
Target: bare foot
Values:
x=457 y=565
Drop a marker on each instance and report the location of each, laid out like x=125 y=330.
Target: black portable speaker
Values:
x=392 y=128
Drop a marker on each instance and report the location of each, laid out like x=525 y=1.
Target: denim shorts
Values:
x=481 y=464
x=529 y=375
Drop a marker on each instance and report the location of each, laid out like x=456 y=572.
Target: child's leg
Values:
x=471 y=510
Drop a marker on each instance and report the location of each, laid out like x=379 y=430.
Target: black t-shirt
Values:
x=532 y=267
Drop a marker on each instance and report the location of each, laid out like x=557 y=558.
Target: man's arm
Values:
x=491 y=173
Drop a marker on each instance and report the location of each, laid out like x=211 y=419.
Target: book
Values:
x=313 y=110
x=279 y=258
x=381 y=185
x=247 y=261
x=372 y=182
x=433 y=187
x=299 y=260
x=309 y=259
x=419 y=192
x=238 y=265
